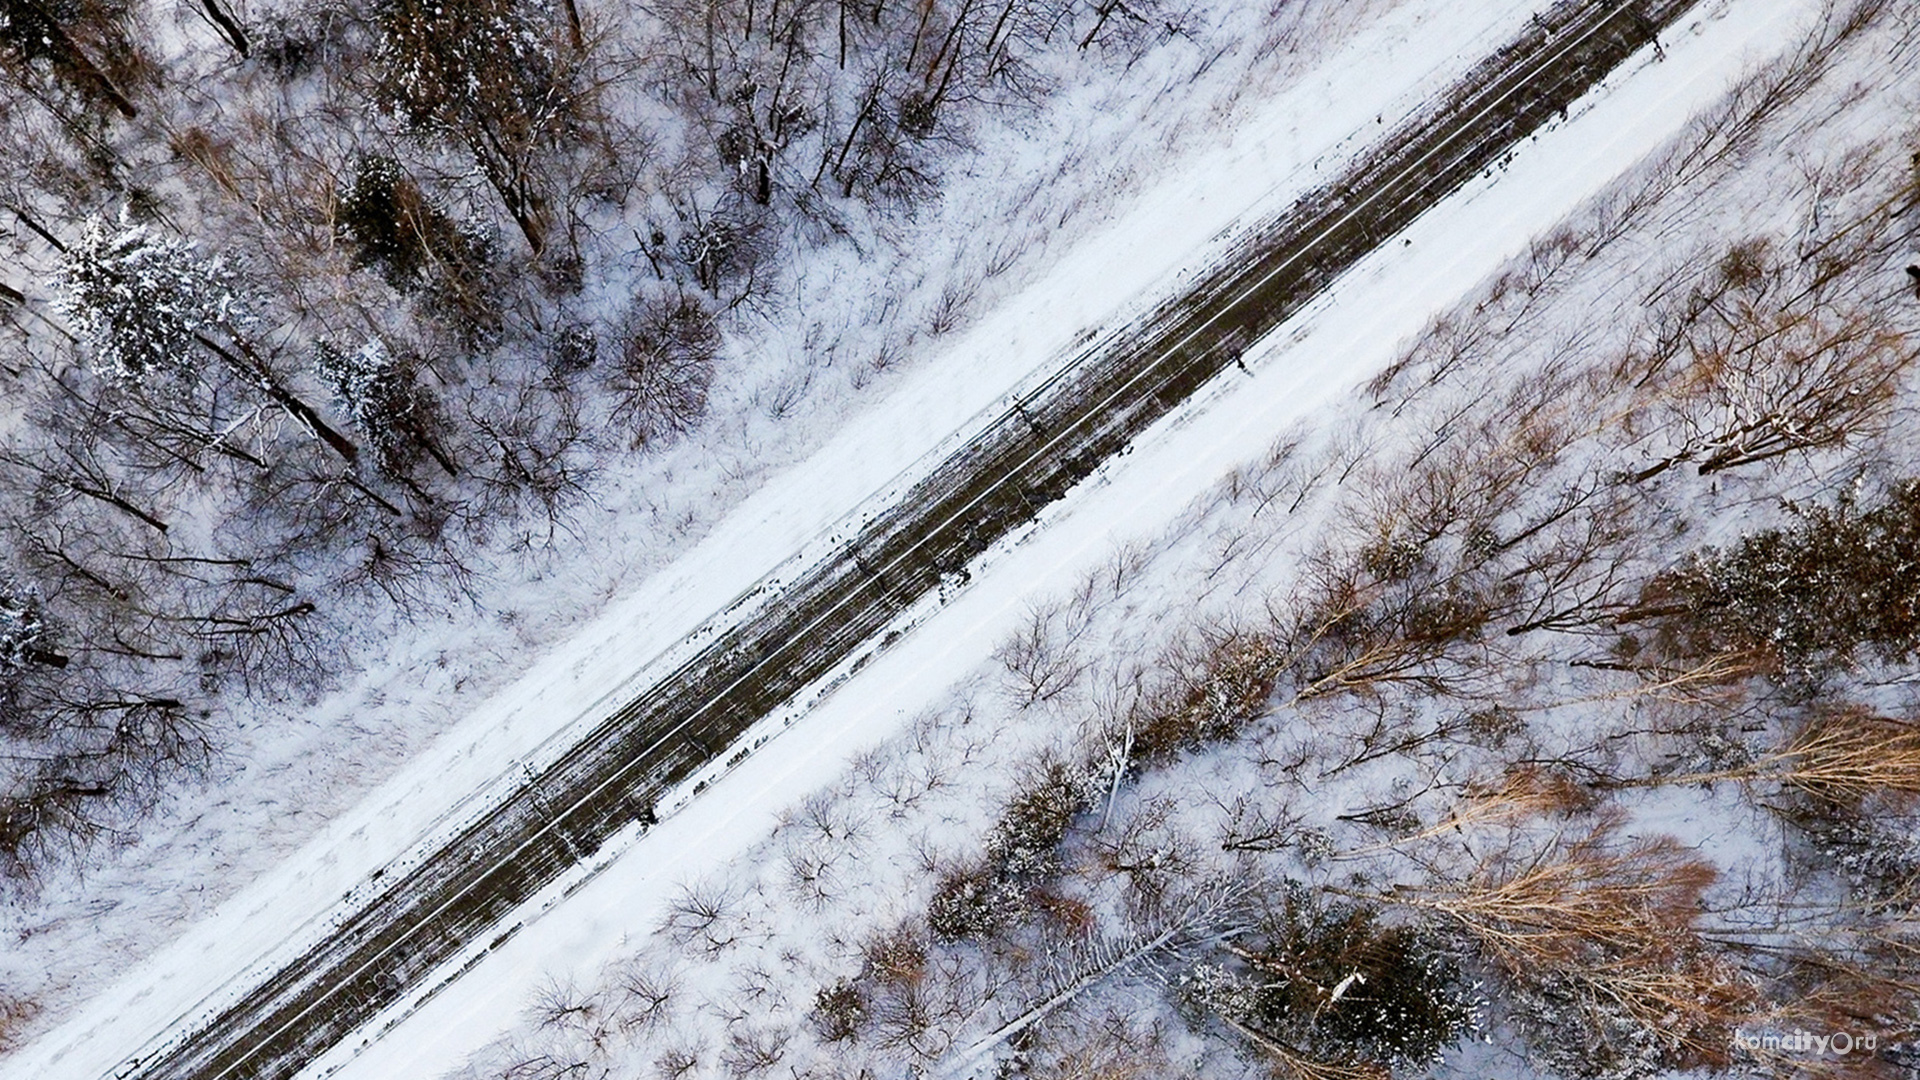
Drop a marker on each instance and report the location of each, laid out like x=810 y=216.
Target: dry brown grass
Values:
x=1844 y=756
x=15 y=1014
x=1523 y=791
x=1614 y=919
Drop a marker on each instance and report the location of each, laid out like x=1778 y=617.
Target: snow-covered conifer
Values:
x=142 y=302
x=23 y=631
x=377 y=391
x=26 y=644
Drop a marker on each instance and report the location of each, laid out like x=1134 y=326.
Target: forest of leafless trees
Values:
x=306 y=305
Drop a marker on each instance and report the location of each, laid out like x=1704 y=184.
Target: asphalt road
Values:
x=1032 y=455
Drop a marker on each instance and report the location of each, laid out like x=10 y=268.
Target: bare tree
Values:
x=492 y=77
x=667 y=349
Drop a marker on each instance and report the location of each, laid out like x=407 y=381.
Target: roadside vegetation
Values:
x=350 y=355
x=1547 y=711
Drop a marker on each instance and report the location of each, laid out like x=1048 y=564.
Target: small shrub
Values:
x=287 y=46
x=701 y=913
x=1493 y=726
x=839 y=1011
x=897 y=958
x=1338 y=984
x=575 y=348
x=15 y=1014
x=752 y=1051
x=664 y=366
x=973 y=904
x=1036 y=821
x=646 y=995
x=1228 y=683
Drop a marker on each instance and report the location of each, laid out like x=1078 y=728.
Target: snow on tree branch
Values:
x=141 y=302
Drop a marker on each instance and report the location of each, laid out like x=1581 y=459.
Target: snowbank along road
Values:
x=1049 y=440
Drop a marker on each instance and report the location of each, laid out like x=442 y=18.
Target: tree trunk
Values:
x=713 y=72
x=306 y=414
x=973 y=1054
x=228 y=28
x=38 y=229
x=118 y=503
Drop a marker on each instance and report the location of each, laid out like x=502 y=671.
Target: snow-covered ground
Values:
x=1297 y=377
x=1302 y=373
x=855 y=324
x=1279 y=149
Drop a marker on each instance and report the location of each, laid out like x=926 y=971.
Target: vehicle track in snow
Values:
x=1048 y=441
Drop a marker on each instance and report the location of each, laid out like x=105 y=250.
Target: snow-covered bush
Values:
x=974 y=902
x=664 y=365
x=1024 y=843
x=1874 y=854
x=839 y=1011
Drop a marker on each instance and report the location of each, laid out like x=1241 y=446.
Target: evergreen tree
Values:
x=395 y=228
x=25 y=639
x=486 y=75
x=1838 y=579
x=143 y=303
x=1334 y=983
x=379 y=393
x=40 y=34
